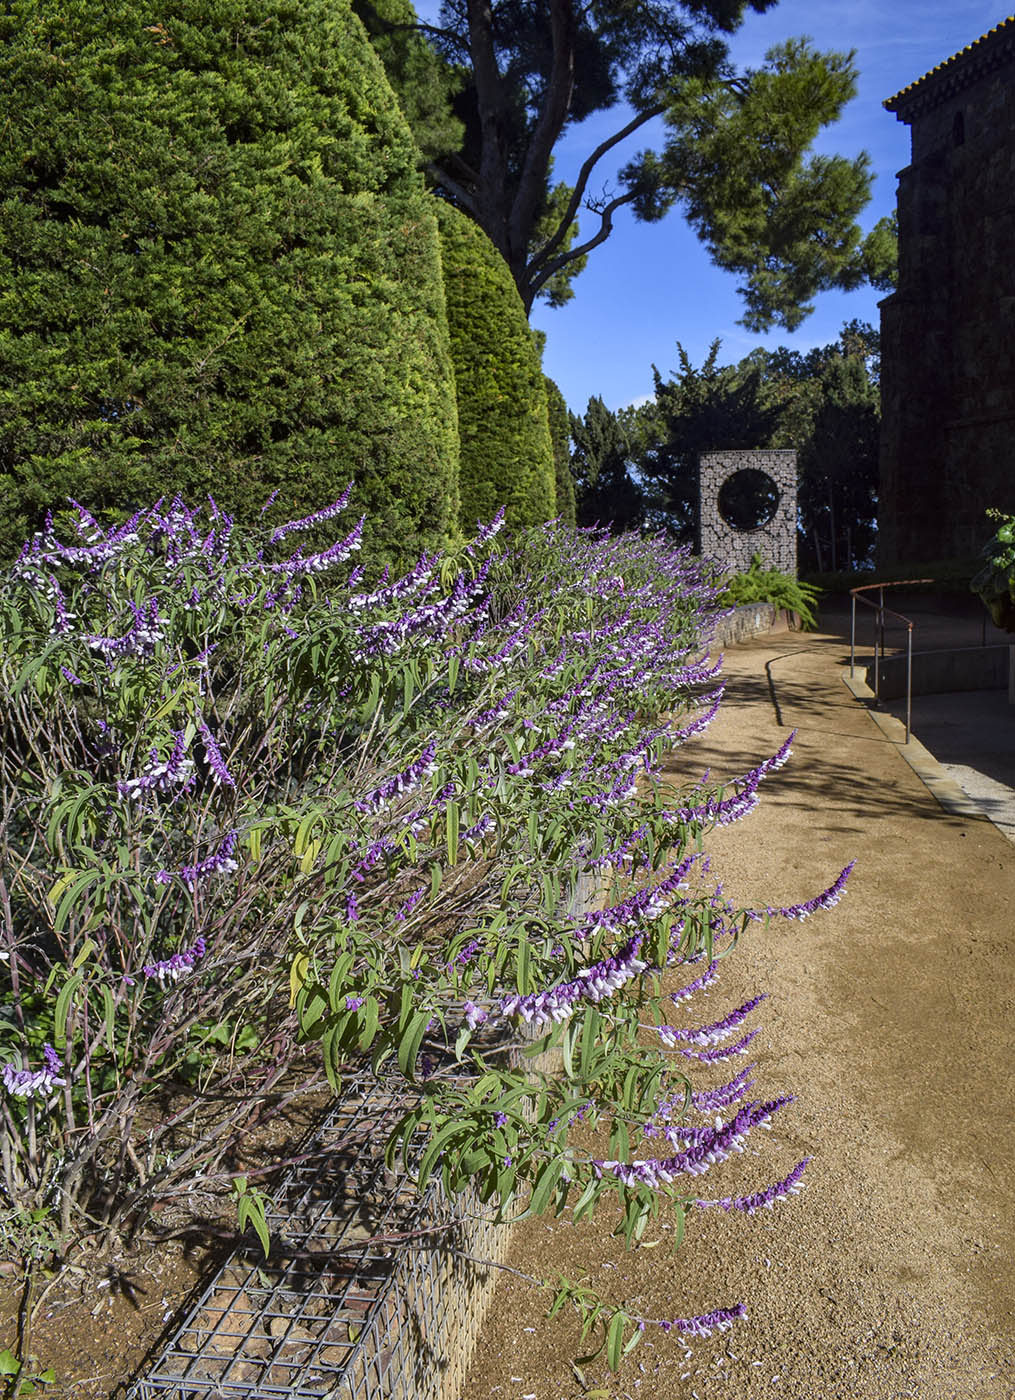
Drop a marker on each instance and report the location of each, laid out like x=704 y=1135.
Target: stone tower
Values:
x=948 y=331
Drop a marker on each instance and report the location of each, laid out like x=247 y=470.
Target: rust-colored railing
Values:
x=879 y=635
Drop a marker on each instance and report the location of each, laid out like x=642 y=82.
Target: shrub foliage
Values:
x=218 y=268
x=506 y=451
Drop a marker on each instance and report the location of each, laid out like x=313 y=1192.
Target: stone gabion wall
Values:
x=776 y=541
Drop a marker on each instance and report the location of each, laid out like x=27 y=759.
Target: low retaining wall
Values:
x=752 y=620
x=370 y=1292
x=938 y=672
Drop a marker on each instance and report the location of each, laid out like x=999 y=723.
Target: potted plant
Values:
x=995 y=582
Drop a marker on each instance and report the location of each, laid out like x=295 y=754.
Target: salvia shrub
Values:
x=254 y=811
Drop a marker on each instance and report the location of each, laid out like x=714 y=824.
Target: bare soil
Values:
x=890 y=1017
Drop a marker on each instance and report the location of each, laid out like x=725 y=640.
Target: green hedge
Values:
x=219 y=269
x=560 y=437
x=506 y=451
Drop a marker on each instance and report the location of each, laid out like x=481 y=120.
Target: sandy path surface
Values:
x=891 y=1018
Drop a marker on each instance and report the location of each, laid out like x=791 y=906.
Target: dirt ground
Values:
x=890 y=1017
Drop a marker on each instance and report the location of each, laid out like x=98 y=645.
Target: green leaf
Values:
x=545 y=1185
x=615 y=1341
x=332 y=1052
x=524 y=958
x=339 y=980
x=62 y=1011
x=435 y=1147
x=453 y=819
x=109 y=1018
x=367 y=709
x=87 y=950
x=71 y=895
x=370 y=1021
x=409 y=1043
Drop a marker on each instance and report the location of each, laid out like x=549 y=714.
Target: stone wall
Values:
x=948 y=331
x=774 y=541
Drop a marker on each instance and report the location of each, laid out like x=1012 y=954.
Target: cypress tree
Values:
x=506 y=451
x=219 y=269
x=560 y=436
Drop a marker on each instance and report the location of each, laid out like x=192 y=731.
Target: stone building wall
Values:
x=948 y=331
x=775 y=541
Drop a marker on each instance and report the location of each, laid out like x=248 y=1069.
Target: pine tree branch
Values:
x=600 y=236
x=584 y=175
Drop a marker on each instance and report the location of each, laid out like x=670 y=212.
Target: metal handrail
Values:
x=879 y=636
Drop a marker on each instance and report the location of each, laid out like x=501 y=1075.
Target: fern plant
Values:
x=761 y=585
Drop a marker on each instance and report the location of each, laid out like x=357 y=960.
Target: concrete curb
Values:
x=923 y=763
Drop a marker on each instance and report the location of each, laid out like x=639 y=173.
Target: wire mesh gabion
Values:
x=369 y=1290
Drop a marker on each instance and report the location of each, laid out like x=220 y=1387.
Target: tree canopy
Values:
x=824 y=404
x=735 y=153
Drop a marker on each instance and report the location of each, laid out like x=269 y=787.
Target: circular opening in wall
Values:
x=748 y=499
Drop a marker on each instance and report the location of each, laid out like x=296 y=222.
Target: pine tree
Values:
x=219 y=270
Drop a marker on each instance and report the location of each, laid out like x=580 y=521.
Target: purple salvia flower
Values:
x=160 y=777
x=644 y=905
x=308 y=521
x=474 y=1015
x=714 y=1034
x=500 y=711
x=411 y=903
x=716 y=1321
x=590 y=984
x=789 y=1186
x=69 y=675
x=220 y=862
x=298 y=564
x=402 y=782
x=709 y=1101
x=220 y=773
x=826 y=900
x=475 y=833
x=485 y=533
x=713 y=1057
x=712 y=1146
x=710 y=975
x=354 y=1003
x=28 y=1083
x=172 y=969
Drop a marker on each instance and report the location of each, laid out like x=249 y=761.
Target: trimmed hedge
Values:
x=560 y=436
x=506 y=451
x=219 y=269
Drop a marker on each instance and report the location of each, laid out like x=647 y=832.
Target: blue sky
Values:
x=651 y=285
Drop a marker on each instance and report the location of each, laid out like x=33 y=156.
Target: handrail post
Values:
x=909 y=679
x=852 y=635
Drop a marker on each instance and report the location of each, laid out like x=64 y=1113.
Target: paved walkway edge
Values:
x=923 y=763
